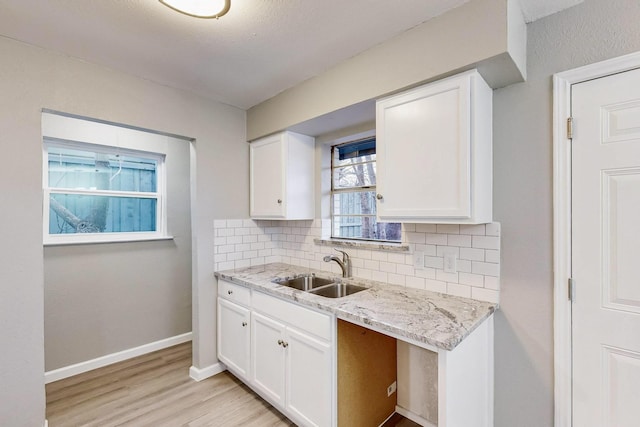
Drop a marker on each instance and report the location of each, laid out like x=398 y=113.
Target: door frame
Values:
x=562 y=83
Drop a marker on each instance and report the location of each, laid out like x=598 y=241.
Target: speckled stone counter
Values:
x=435 y=319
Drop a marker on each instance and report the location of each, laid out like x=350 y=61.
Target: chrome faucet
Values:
x=345 y=263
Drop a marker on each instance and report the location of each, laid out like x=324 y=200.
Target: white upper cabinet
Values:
x=282 y=172
x=434 y=154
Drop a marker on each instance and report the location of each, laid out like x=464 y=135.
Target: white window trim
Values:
x=332 y=192
x=87 y=238
x=562 y=83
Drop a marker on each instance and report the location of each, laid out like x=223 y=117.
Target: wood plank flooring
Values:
x=155 y=390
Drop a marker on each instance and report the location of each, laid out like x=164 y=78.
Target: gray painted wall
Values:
x=31 y=79
x=593 y=31
x=104 y=298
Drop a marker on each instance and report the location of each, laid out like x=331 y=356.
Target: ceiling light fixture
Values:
x=199 y=8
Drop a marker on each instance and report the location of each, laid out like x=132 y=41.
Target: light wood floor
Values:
x=155 y=390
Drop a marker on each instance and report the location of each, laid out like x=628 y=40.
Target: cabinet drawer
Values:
x=318 y=324
x=234 y=292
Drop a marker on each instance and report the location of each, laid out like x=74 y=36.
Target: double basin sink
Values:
x=320 y=286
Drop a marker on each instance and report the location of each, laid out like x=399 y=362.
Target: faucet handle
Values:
x=345 y=256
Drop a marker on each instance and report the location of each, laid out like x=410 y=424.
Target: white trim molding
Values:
x=200 y=374
x=109 y=359
x=562 y=83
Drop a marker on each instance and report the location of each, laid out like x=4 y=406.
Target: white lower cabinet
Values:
x=234 y=337
x=309 y=378
x=268 y=357
x=284 y=351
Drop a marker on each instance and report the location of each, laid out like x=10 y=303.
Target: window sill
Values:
x=101 y=242
x=361 y=244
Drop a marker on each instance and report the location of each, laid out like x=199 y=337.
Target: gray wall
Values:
x=481 y=33
x=104 y=298
x=523 y=174
x=32 y=79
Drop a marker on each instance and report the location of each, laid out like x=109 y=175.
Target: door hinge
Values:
x=571 y=288
x=570 y=128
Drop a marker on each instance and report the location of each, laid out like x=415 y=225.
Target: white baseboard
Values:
x=89 y=365
x=46 y=423
x=200 y=374
x=414 y=417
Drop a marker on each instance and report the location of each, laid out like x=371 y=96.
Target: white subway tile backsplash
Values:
x=415 y=282
x=446 y=277
x=372 y=265
x=397 y=258
x=491 y=282
x=249 y=239
x=473 y=230
x=427 y=273
x=493 y=229
x=486 y=242
x=461 y=240
x=396 y=279
x=234 y=223
x=485 y=268
x=244 y=243
x=435 y=286
x=389 y=267
x=485 y=295
x=413 y=237
x=491 y=255
x=405 y=270
x=471 y=279
x=379 y=276
x=426 y=228
x=448 y=229
x=434 y=262
x=436 y=239
x=464 y=266
x=459 y=290
x=472 y=254
x=379 y=256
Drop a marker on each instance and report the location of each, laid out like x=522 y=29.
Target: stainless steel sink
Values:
x=337 y=290
x=304 y=283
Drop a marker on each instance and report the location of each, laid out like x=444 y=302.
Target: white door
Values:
x=267 y=175
x=309 y=379
x=423 y=152
x=606 y=251
x=234 y=337
x=268 y=356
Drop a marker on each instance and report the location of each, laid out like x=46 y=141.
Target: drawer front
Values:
x=233 y=292
x=313 y=322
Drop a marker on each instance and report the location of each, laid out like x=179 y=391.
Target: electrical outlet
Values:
x=418 y=260
x=391 y=389
x=450 y=263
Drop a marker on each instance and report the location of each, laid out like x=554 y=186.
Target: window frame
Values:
x=355 y=189
x=160 y=195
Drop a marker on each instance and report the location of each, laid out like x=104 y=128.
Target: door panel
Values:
x=606 y=251
x=233 y=337
x=309 y=376
x=268 y=357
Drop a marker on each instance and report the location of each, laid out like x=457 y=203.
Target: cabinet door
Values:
x=423 y=152
x=309 y=379
x=267 y=175
x=234 y=337
x=268 y=357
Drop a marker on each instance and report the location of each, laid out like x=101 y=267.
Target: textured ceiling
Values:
x=260 y=48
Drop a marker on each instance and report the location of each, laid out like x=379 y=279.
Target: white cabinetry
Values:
x=292 y=366
x=282 y=170
x=434 y=159
x=234 y=328
x=284 y=351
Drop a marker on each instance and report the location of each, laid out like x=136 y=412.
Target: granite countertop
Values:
x=435 y=319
